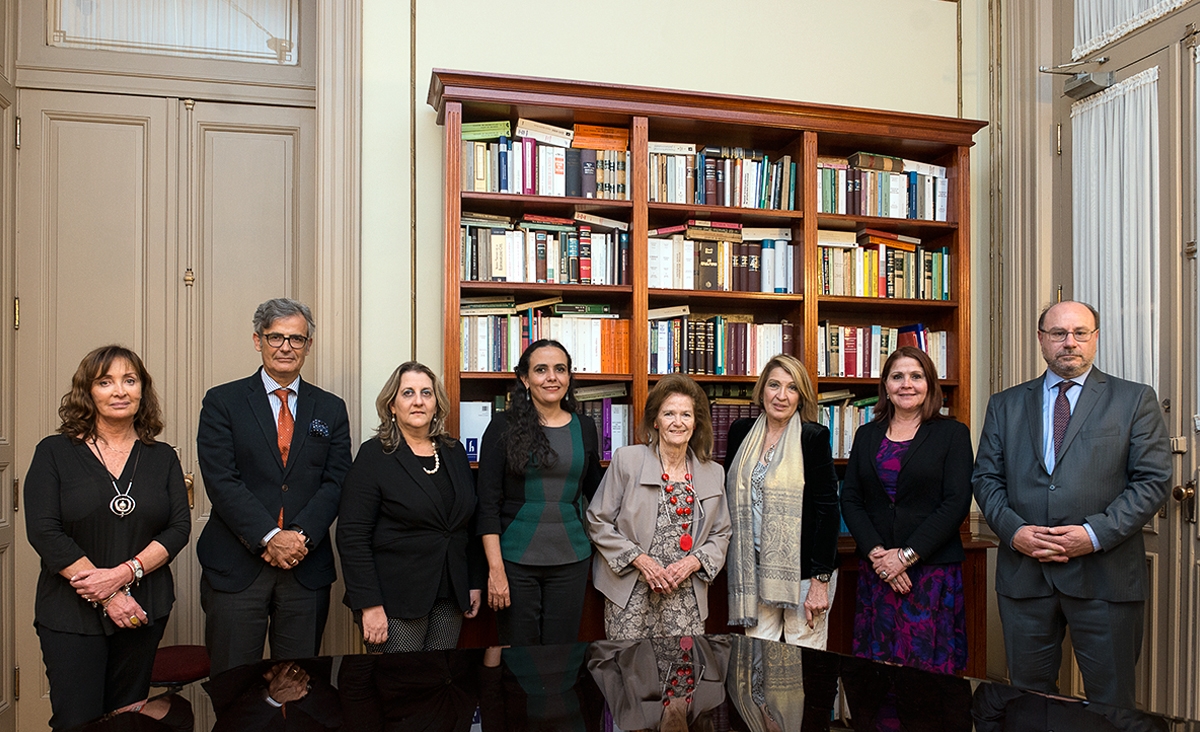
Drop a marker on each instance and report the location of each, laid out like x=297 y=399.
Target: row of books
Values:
x=614 y=424
x=598 y=342
x=558 y=254
x=527 y=167
x=877 y=185
x=878 y=271
x=843 y=419
x=683 y=263
x=717 y=176
x=859 y=351
x=723 y=415
x=717 y=345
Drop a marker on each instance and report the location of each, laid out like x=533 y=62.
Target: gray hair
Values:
x=281 y=307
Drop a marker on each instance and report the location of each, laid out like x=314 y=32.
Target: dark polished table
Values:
x=715 y=682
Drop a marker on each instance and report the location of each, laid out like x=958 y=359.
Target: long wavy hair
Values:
x=527 y=443
x=930 y=408
x=807 y=406
x=388 y=431
x=77 y=410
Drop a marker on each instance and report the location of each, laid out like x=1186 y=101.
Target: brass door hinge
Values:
x=16 y=494
x=1058 y=139
x=17 y=134
x=16 y=683
x=16 y=313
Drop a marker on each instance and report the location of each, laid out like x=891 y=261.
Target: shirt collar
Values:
x=1053 y=379
x=271 y=385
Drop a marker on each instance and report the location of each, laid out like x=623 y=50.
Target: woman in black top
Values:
x=536 y=463
x=411 y=566
x=106 y=509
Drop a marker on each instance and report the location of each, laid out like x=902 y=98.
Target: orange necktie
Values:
x=287 y=426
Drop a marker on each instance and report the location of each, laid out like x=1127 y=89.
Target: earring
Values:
x=527 y=397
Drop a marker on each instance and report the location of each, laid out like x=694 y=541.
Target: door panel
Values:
x=93 y=252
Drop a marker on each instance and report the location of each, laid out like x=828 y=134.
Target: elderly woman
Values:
x=412 y=568
x=537 y=462
x=107 y=510
x=659 y=520
x=783 y=497
x=907 y=490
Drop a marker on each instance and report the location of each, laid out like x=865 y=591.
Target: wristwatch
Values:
x=136 y=566
x=823 y=577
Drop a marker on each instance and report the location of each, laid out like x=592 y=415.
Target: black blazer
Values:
x=933 y=492
x=821 y=521
x=395 y=536
x=238 y=449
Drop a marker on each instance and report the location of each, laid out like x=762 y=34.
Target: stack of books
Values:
x=720 y=176
x=868 y=184
x=859 y=351
x=596 y=338
x=539 y=159
x=547 y=249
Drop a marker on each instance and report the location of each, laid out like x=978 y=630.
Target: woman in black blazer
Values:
x=907 y=490
x=412 y=567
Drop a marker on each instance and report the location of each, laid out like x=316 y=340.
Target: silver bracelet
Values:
x=908 y=556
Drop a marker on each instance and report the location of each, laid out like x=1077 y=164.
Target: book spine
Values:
x=585 y=255
x=587 y=167
x=573 y=169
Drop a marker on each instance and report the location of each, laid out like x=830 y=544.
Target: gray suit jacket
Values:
x=1113 y=473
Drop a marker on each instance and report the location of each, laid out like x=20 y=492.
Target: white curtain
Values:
x=1115 y=213
x=1100 y=22
x=261 y=31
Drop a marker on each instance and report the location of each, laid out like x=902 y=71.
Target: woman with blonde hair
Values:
x=783 y=498
x=412 y=568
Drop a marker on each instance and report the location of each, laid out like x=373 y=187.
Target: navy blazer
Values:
x=933 y=492
x=395 y=535
x=238 y=449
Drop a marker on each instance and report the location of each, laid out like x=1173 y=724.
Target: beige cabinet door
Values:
x=160 y=224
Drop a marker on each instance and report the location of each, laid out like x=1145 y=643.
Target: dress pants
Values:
x=547 y=603
x=91 y=675
x=777 y=623
x=275 y=605
x=1107 y=637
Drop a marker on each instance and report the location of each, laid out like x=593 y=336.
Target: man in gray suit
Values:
x=1070 y=467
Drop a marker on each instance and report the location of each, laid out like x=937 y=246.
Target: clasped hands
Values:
x=1052 y=543
x=285 y=550
x=665 y=579
x=891 y=569
x=287 y=682
x=106 y=586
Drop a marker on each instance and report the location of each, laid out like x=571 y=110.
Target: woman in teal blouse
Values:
x=536 y=463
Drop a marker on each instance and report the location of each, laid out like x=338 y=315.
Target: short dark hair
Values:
x=1095 y=312
x=78 y=412
x=701 y=443
x=931 y=409
x=281 y=307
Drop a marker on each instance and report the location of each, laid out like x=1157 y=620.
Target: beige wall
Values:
x=903 y=57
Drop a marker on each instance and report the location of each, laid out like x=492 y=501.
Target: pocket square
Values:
x=318 y=427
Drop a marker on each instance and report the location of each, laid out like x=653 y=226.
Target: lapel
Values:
x=408 y=461
x=874 y=440
x=1036 y=389
x=461 y=480
x=1093 y=389
x=305 y=406
x=260 y=407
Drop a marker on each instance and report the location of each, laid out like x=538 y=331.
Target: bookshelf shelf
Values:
x=810 y=135
x=670 y=211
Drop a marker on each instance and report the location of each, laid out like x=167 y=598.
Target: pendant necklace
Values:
x=681 y=501
x=121 y=504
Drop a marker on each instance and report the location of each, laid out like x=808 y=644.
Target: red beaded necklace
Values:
x=682 y=501
x=682 y=681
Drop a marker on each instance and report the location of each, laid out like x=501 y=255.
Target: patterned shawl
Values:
x=775 y=578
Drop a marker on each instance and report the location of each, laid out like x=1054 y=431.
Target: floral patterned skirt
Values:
x=925 y=629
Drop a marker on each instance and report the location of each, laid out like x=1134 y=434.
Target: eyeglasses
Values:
x=275 y=340
x=1058 y=335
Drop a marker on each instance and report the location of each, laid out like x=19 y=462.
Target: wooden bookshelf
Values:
x=800 y=130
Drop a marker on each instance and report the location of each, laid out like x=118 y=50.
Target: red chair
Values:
x=178 y=666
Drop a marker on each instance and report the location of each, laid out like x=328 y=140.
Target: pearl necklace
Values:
x=437 y=462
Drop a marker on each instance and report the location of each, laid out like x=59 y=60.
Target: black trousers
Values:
x=547 y=604
x=91 y=675
x=275 y=605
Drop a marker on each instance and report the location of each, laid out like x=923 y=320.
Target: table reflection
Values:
x=718 y=683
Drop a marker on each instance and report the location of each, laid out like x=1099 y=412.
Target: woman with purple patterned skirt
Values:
x=907 y=491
